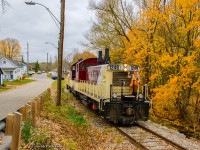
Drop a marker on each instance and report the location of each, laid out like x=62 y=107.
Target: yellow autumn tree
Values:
x=10 y=48
x=165 y=44
x=164 y=40
x=83 y=55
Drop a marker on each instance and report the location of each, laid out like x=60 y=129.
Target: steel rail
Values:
x=132 y=140
x=176 y=145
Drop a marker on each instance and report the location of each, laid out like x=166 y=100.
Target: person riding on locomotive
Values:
x=135 y=81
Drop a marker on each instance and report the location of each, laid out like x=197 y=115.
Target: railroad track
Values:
x=142 y=137
x=147 y=139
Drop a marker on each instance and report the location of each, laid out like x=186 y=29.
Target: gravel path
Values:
x=13 y=99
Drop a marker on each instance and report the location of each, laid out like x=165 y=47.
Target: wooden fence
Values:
x=13 y=125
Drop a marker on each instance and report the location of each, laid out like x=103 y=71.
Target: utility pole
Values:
x=27 y=58
x=47 y=62
x=50 y=62
x=60 y=53
x=50 y=59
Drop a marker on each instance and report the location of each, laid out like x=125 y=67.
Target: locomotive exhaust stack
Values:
x=100 y=59
x=107 y=57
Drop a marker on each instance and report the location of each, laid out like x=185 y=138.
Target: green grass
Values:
x=63 y=84
x=18 y=82
x=27 y=131
x=9 y=84
x=3 y=88
x=42 y=138
x=65 y=112
x=54 y=84
x=49 y=75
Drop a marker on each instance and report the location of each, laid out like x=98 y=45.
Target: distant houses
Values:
x=12 y=69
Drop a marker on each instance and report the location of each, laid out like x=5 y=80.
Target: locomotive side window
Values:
x=73 y=68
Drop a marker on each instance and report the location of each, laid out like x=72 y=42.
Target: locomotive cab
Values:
x=121 y=106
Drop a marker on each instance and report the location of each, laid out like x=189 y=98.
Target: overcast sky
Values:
x=33 y=24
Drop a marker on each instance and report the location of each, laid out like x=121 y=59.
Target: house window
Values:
x=6 y=76
x=4 y=62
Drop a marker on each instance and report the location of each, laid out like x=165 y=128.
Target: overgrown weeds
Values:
x=27 y=131
x=42 y=138
x=64 y=113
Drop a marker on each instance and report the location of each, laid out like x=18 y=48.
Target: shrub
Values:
x=27 y=131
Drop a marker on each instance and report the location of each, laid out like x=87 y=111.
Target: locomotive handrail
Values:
x=92 y=88
x=144 y=90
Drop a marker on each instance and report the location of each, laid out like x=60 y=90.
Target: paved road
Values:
x=13 y=99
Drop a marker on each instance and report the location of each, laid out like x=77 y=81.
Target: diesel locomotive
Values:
x=104 y=87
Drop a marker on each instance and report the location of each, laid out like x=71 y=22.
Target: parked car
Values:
x=54 y=77
x=31 y=72
x=39 y=72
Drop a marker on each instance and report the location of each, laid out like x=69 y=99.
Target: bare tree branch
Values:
x=4 y=5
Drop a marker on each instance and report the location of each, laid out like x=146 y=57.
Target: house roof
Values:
x=8 y=69
x=22 y=64
x=14 y=62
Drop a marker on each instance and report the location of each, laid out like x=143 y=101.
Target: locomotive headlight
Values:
x=114 y=95
x=140 y=96
x=125 y=67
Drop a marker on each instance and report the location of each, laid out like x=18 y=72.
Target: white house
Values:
x=12 y=69
x=1 y=77
x=24 y=67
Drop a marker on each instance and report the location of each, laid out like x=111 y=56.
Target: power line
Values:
x=47 y=46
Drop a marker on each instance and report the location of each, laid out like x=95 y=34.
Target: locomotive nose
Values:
x=129 y=111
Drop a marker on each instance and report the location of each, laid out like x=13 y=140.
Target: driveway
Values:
x=13 y=99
